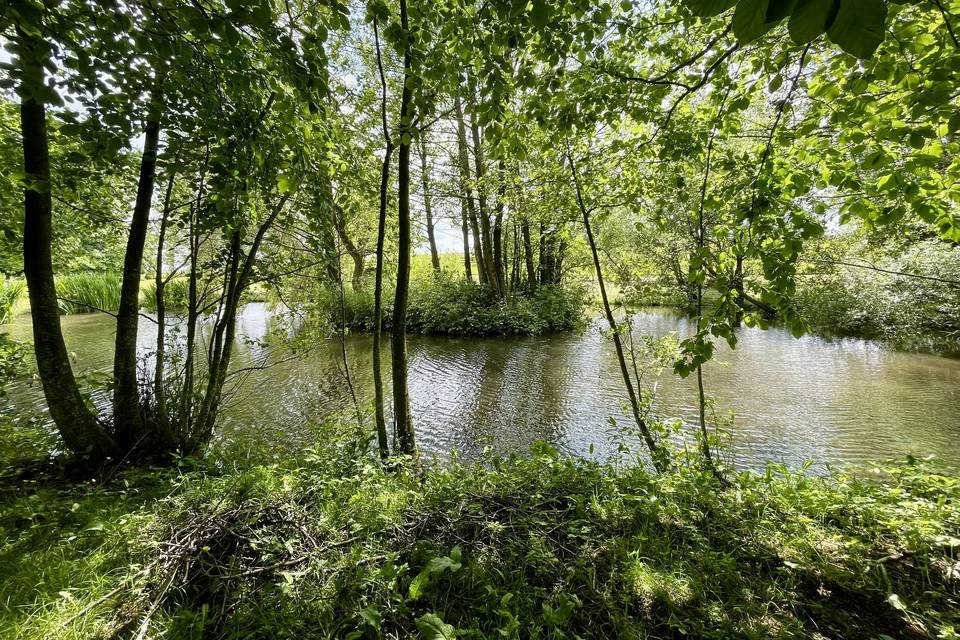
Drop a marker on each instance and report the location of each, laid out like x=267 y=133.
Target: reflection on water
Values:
x=829 y=401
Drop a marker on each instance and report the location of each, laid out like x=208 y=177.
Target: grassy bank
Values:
x=330 y=546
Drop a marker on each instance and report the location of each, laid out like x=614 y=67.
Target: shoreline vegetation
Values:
x=536 y=546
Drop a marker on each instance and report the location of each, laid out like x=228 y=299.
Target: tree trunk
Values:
x=659 y=461
x=528 y=255
x=427 y=207
x=465 y=228
x=129 y=427
x=356 y=280
x=499 y=267
x=379 y=418
x=398 y=341
x=490 y=259
x=464 y=159
x=159 y=393
x=77 y=425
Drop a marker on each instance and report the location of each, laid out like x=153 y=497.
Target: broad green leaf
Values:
x=709 y=8
x=750 y=20
x=859 y=26
x=810 y=19
x=540 y=15
x=432 y=627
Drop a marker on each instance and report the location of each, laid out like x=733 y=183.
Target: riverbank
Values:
x=330 y=545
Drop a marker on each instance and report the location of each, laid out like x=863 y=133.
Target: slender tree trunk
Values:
x=159 y=393
x=543 y=263
x=398 y=342
x=701 y=242
x=193 y=313
x=77 y=425
x=465 y=228
x=499 y=249
x=428 y=206
x=464 y=159
x=490 y=258
x=356 y=280
x=131 y=432
x=379 y=418
x=240 y=269
x=528 y=256
x=659 y=461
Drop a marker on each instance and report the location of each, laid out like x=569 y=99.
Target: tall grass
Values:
x=11 y=291
x=176 y=294
x=88 y=292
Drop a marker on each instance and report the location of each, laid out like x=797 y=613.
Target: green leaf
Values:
x=432 y=627
x=954 y=124
x=859 y=26
x=709 y=8
x=540 y=15
x=750 y=20
x=810 y=19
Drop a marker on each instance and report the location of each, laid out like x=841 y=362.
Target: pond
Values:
x=830 y=401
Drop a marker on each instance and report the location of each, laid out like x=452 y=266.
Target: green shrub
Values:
x=444 y=305
x=88 y=292
x=907 y=312
x=11 y=291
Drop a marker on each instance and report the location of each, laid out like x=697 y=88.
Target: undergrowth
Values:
x=444 y=305
x=542 y=546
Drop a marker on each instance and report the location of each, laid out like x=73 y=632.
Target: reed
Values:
x=11 y=292
x=88 y=292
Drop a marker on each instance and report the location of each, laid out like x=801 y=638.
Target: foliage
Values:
x=331 y=545
x=88 y=292
x=852 y=298
x=175 y=294
x=13 y=357
x=443 y=305
x=11 y=292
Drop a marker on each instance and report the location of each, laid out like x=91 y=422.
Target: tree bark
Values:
x=499 y=267
x=465 y=229
x=129 y=427
x=356 y=280
x=428 y=207
x=159 y=393
x=528 y=255
x=398 y=337
x=77 y=425
x=659 y=461
x=489 y=257
x=464 y=159
x=378 y=411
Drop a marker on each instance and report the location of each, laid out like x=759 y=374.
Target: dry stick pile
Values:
x=210 y=554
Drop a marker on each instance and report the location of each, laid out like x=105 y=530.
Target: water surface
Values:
x=830 y=401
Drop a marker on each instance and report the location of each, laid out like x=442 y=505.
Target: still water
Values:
x=830 y=401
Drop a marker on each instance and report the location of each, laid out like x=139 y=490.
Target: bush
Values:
x=907 y=312
x=443 y=305
x=11 y=291
x=88 y=292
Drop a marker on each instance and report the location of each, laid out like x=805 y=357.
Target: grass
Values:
x=88 y=292
x=11 y=292
x=330 y=546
